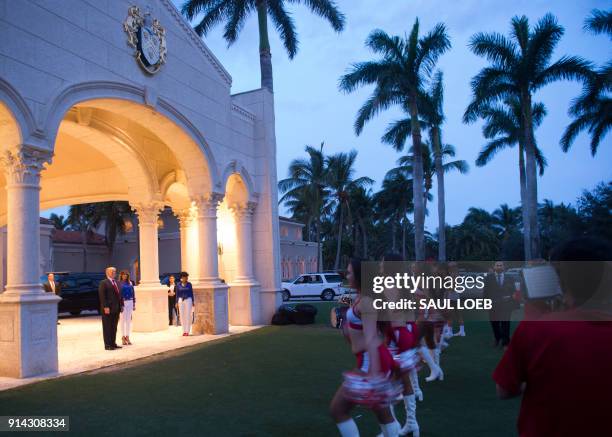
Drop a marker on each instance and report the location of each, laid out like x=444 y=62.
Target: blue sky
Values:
x=310 y=109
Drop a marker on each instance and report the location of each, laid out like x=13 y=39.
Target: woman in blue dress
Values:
x=184 y=297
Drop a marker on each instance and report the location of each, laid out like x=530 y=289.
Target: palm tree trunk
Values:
x=393 y=234
x=404 y=238
x=531 y=176
x=339 y=243
x=364 y=236
x=417 y=185
x=525 y=216
x=319 y=249
x=265 y=56
x=441 y=195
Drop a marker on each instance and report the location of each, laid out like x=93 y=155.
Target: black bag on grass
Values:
x=304 y=314
x=285 y=315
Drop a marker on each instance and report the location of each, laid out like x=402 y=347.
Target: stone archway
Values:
x=122 y=150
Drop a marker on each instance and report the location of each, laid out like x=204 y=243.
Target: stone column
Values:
x=185 y=219
x=28 y=315
x=151 y=297
x=244 y=305
x=211 y=312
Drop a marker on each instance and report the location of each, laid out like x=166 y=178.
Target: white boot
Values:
x=348 y=428
x=392 y=408
x=436 y=371
x=461 y=331
x=411 y=425
x=414 y=381
x=390 y=429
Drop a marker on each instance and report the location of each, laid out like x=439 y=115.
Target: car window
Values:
x=316 y=279
x=333 y=278
x=69 y=283
x=300 y=280
x=84 y=282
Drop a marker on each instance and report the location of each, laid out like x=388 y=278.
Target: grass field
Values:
x=275 y=381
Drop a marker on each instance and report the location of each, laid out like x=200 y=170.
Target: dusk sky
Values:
x=310 y=109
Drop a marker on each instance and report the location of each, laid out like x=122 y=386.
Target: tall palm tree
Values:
x=429 y=169
x=432 y=116
x=504 y=127
x=592 y=110
x=340 y=173
x=235 y=12
x=519 y=66
x=308 y=178
x=399 y=77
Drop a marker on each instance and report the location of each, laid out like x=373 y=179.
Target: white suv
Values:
x=323 y=285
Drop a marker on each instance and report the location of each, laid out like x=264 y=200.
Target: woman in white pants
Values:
x=184 y=296
x=128 y=297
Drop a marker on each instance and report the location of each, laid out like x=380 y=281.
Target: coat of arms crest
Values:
x=147 y=37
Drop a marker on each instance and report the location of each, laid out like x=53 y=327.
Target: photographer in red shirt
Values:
x=561 y=364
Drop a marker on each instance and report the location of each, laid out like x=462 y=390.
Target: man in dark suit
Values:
x=53 y=287
x=500 y=288
x=111 y=306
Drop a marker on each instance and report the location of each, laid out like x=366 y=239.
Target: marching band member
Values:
x=374 y=363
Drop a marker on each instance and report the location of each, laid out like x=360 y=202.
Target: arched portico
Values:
x=105 y=147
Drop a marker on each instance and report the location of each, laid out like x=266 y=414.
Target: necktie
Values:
x=115 y=286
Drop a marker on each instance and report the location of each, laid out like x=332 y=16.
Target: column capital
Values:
x=147 y=212
x=208 y=203
x=23 y=165
x=184 y=216
x=243 y=210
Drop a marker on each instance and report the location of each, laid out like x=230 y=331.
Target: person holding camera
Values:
x=561 y=363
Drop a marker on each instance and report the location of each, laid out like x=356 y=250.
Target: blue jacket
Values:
x=184 y=291
x=127 y=291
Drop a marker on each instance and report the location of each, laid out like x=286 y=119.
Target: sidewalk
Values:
x=81 y=347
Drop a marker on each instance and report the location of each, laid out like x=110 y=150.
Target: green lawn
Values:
x=276 y=381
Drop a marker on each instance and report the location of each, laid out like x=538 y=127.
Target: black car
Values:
x=79 y=291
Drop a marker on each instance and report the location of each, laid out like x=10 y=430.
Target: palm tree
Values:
x=592 y=110
x=506 y=220
x=59 y=221
x=400 y=75
x=392 y=205
x=520 y=66
x=504 y=127
x=79 y=219
x=362 y=206
x=112 y=215
x=429 y=170
x=432 y=116
x=308 y=180
x=340 y=171
x=235 y=12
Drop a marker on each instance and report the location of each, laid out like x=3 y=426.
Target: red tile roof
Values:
x=75 y=237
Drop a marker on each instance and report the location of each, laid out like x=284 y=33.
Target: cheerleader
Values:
x=373 y=360
x=401 y=336
x=426 y=330
x=457 y=315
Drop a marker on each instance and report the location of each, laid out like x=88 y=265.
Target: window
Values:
x=333 y=278
x=284 y=231
x=316 y=279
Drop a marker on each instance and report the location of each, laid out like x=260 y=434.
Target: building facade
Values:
x=121 y=100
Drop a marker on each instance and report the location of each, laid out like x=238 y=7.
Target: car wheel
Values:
x=327 y=294
x=75 y=313
x=286 y=295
